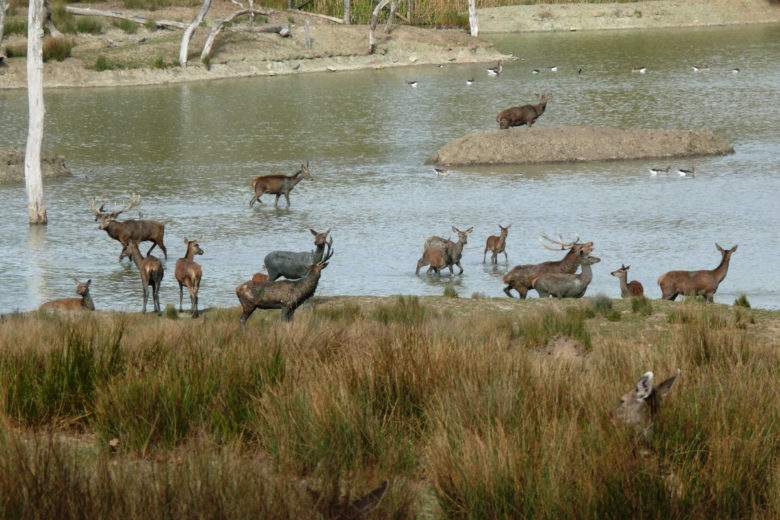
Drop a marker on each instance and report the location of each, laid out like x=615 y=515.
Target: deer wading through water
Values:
x=632 y=289
x=151 y=270
x=123 y=231
x=286 y=295
x=696 y=283
x=521 y=276
x=524 y=115
x=564 y=285
x=278 y=184
x=439 y=253
x=497 y=245
x=82 y=303
x=294 y=265
x=188 y=274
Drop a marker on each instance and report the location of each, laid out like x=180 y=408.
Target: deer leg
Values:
x=154 y=244
x=484 y=255
x=508 y=291
x=162 y=246
x=146 y=294
x=287 y=198
x=245 y=316
x=420 y=263
x=459 y=267
x=193 y=302
x=506 y=258
x=276 y=202
x=181 y=295
x=287 y=313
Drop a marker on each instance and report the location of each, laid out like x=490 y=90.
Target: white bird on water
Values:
x=554 y=69
x=535 y=71
x=470 y=81
x=640 y=70
x=687 y=173
x=441 y=172
x=412 y=84
x=735 y=71
x=659 y=171
x=495 y=71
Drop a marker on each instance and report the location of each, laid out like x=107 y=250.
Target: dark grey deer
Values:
x=286 y=295
x=564 y=285
x=293 y=265
x=439 y=253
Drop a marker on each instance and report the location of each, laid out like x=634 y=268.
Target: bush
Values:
x=153 y=5
x=159 y=63
x=742 y=301
x=57 y=49
x=125 y=25
x=15 y=25
x=406 y=310
x=89 y=25
x=16 y=51
x=641 y=305
x=150 y=25
x=170 y=312
x=601 y=305
x=538 y=329
x=450 y=292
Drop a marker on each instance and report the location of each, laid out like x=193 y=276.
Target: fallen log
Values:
x=88 y=11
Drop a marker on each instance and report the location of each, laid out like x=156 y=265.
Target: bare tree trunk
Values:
x=391 y=16
x=347 y=12
x=306 y=34
x=48 y=21
x=188 y=32
x=473 y=22
x=205 y=55
x=36 y=210
x=87 y=11
x=251 y=13
x=372 y=26
x=3 y=9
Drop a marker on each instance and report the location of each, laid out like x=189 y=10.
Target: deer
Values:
x=286 y=295
x=136 y=229
x=640 y=406
x=82 y=303
x=565 y=285
x=188 y=273
x=259 y=278
x=497 y=245
x=151 y=270
x=696 y=283
x=632 y=289
x=278 y=184
x=294 y=265
x=524 y=115
x=439 y=253
x=520 y=277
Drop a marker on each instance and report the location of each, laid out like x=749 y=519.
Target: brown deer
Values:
x=151 y=270
x=521 y=276
x=83 y=303
x=278 y=185
x=696 y=283
x=188 y=273
x=439 y=253
x=260 y=278
x=524 y=115
x=497 y=245
x=632 y=289
x=640 y=406
x=137 y=229
x=286 y=295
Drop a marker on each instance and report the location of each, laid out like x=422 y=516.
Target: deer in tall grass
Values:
x=524 y=115
x=278 y=184
x=286 y=295
x=294 y=265
x=439 y=253
x=497 y=245
x=82 y=303
x=565 y=285
x=696 y=283
x=640 y=406
x=151 y=271
x=632 y=289
x=123 y=231
x=188 y=274
x=521 y=276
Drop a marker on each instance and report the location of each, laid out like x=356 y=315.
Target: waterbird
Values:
x=470 y=81
x=441 y=172
x=495 y=71
x=554 y=69
x=699 y=69
x=659 y=171
x=640 y=70
x=735 y=71
x=687 y=173
x=579 y=71
x=535 y=71
x=412 y=84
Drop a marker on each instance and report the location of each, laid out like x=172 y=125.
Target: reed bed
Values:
x=453 y=402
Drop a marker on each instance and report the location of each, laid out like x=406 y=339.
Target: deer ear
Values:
x=733 y=248
x=455 y=229
x=469 y=230
x=719 y=248
x=89 y=282
x=313 y=232
x=644 y=387
x=664 y=387
x=186 y=242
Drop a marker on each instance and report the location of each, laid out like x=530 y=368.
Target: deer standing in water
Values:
x=83 y=303
x=497 y=245
x=696 y=283
x=126 y=230
x=151 y=270
x=521 y=276
x=278 y=185
x=188 y=273
x=286 y=295
x=565 y=285
x=439 y=253
x=524 y=115
x=632 y=289
x=293 y=265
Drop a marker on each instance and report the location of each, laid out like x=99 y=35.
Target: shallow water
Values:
x=190 y=150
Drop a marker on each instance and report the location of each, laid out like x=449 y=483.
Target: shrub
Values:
x=641 y=305
x=16 y=51
x=450 y=292
x=742 y=301
x=89 y=25
x=170 y=312
x=57 y=49
x=406 y=310
x=15 y=25
x=125 y=25
x=538 y=329
x=601 y=305
x=159 y=63
x=150 y=25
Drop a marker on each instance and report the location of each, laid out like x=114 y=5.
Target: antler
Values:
x=562 y=245
x=93 y=207
x=134 y=201
x=328 y=251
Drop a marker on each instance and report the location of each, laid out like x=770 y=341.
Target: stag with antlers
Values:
x=188 y=273
x=286 y=295
x=521 y=277
x=82 y=303
x=125 y=230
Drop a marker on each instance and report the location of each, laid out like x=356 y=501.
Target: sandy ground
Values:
x=12 y=166
x=242 y=52
x=632 y=15
x=577 y=143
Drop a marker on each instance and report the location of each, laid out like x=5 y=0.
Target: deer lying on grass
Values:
x=640 y=406
x=497 y=245
x=564 y=285
x=286 y=295
x=126 y=230
x=632 y=289
x=151 y=270
x=293 y=265
x=439 y=253
x=696 y=283
x=188 y=273
x=278 y=185
x=83 y=303
x=524 y=115
x=520 y=277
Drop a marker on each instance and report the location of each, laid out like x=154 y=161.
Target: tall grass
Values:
x=447 y=400
x=15 y=25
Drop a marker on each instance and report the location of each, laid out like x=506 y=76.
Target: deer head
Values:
x=622 y=272
x=193 y=247
x=463 y=236
x=726 y=252
x=105 y=217
x=317 y=267
x=589 y=260
x=304 y=170
x=640 y=406
x=82 y=288
x=320 y=239
x=543 y=99
x=504 y=230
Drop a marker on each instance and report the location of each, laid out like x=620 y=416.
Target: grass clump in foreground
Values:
x=57 y=49
x=450 y=291
x=642 y=306
x=742 y=301
x=446 y=407
x=125 y=25
x=15 y=25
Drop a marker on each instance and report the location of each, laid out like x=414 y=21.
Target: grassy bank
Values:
x=464 y=406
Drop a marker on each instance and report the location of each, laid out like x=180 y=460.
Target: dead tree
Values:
x=372 y=26
x=347 y=12
x=391 y=15
x=36 y=210
x=159 y=24
x=3 y=9
x=208 y=47
x=473 y=21
x=190 y=30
